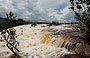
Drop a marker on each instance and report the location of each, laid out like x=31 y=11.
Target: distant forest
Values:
x=11 y=21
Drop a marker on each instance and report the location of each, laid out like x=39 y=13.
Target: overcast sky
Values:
x=38 y=10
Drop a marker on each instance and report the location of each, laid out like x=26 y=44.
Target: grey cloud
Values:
x=36 y=10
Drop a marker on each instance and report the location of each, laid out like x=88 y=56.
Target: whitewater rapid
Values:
x=31 y=45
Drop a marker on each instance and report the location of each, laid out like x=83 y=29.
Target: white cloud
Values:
x=37 y=10
x=64 y=15
x=50 y=3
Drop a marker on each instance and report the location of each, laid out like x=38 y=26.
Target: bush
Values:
x=81 y=8
x=33 y=24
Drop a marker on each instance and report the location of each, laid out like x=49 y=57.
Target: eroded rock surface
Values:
x=64 y=37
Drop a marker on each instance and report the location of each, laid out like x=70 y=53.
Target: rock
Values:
x=75 y=56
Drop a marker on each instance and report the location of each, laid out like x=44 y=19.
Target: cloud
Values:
x=38 y=10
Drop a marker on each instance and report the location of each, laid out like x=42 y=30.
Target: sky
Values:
x=38 y=10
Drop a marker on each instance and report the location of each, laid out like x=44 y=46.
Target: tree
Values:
x=81 y=9
x=8 y=34
x=33 y=24
x=20 y=20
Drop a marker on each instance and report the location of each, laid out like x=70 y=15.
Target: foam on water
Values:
x=44 y=51
x=33 y=46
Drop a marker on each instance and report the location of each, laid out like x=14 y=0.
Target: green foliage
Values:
x=50 y=24
x=11 y=21
x=81 y=8
x=8 y=33
x=33 y=24
x=55 y=23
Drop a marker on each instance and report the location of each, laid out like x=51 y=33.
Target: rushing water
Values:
x=35 y=44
